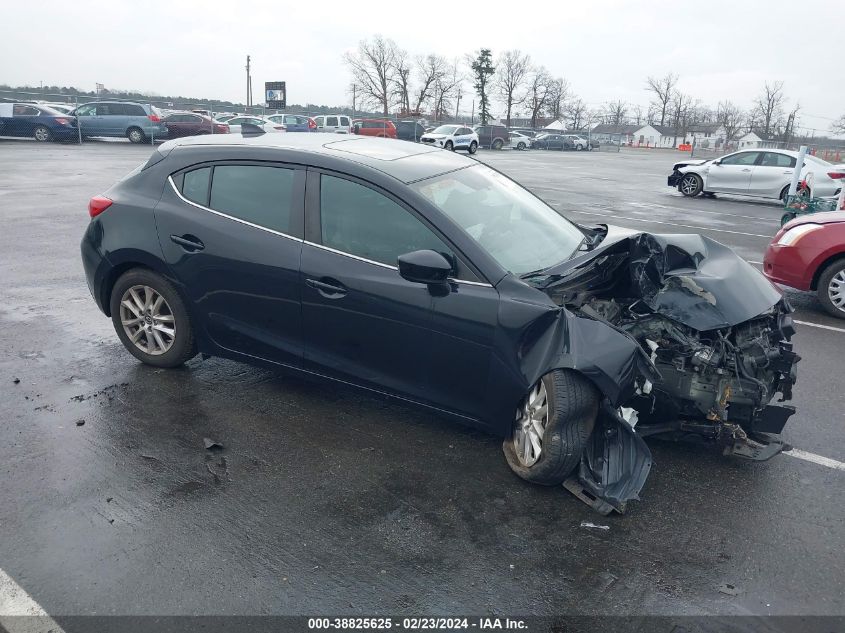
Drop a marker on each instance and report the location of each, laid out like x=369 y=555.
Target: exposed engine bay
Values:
x=717 y=332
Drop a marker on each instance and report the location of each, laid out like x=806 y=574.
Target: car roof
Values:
x=405 y=161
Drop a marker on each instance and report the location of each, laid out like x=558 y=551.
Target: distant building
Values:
x=607 y=133
x=758 y=138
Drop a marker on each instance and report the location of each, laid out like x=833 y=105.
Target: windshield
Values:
x=445 y=129
x=519 y=230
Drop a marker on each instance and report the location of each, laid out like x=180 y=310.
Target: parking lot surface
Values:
x=326 y=501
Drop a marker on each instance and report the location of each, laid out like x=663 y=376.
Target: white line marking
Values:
x=816 y=459
x=15 y=602
x=686 y=226
x=646 y=205
x=819 y=325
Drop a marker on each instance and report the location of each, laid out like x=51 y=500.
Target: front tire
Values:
x=473 y=147
x=520 y=146
x=151 y=320
x=579 y=148
x=831 y=289
x=449 y=146
x=42 y=134
x=552 y=427
x=135 y=135
x=691 y=185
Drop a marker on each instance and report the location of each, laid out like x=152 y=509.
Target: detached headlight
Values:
x=791 y=237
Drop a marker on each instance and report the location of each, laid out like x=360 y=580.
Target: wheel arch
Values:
x=814 y=284
x=129 y=261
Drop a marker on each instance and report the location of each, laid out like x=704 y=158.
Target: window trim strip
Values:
x=229 y=217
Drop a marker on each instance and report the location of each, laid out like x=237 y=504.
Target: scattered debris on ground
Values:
x=80 y=422
x=17 y=381
x=728 y=589
x=593 y=526
x=212 y=445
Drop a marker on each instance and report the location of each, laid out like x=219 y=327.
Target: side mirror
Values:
x=716 y=163
x=424 y=267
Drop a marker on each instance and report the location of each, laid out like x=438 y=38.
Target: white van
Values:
x=337 y=123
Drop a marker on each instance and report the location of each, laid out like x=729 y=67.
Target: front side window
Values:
x=743 y=158
x=344 y=121
x=86 y=110
x=521 y=232
x=331 y=121
x=361 y=221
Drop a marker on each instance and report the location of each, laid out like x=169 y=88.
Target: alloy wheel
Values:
x=135 y=136
x=530 y=425
x=689 y=185
x=42 y=134
x=836 y=290
x=147 y=320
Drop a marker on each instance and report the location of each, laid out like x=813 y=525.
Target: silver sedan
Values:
x=766 y=173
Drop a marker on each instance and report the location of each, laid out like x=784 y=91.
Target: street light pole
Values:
x=248 y=84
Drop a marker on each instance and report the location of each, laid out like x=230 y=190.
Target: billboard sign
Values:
x=275 y=95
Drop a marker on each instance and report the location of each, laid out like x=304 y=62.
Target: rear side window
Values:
x=360 y=221
x=254 y=193
x=772 y=159
x=133 y=109
x=195 y=185
x=344 y=121
x=331 y=121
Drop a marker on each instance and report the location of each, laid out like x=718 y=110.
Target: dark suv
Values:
x=492 y=136
x=409 y=130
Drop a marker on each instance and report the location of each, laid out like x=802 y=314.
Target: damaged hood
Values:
x=688 y=278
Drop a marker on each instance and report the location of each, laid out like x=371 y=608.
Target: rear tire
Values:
x=135 y=135
x=571 y=406
x=42 y=134
x=579 y=148
x=147 y=308
x=831 y=289
x=498 y=144
x=691 y=185
x=520 y=146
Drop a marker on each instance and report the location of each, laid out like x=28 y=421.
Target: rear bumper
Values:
x=95 y=264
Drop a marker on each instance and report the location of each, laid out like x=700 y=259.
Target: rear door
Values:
x=772 y=173
x=732 y=174
x=24 y=120
x=231 y=233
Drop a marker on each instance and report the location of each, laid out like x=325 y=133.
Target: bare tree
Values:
x=637 y=114
x=401 y=79
x=615 y=112
x=663 y=89
x=732 y=119
x=838 y=126
x=577 y=112
x=680 y=108
x=557 y=98
x=444 y=90
x=540 y=86
x=372 y=68
x=513 y=69
x=430 y=70
x=768 y=107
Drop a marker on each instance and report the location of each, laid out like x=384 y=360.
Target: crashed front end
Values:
x=717 y=335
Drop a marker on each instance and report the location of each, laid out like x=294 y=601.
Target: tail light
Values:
x=312 y=124
x=837 y=175
x=97 y=205
x=154 y=118
x=62 y=121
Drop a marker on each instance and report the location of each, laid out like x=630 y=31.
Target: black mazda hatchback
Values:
x=428 y=276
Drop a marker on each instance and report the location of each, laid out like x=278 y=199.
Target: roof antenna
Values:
x=250 y=129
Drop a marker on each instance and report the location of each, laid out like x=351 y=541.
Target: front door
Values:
x=363 y=323
x=732 y=174
x=88 y=121
x=231 y=233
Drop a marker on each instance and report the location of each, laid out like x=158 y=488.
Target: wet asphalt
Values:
x=326 y=501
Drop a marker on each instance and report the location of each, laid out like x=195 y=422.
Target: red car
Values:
x=808 y=253
x=374 y=127
x=181 y=124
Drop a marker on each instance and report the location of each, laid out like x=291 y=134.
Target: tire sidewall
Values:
x=136 y=133
x=563 y=440
x=473 y=147
x=183 y=346
x=699 y=188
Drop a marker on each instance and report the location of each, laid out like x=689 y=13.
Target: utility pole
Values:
x=458 y=105
x=248 y=84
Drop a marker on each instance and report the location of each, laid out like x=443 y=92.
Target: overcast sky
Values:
x=604 y=48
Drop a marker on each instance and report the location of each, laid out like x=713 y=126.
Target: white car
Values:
x=578 y=142
x=766 y=173
x=452 y=137
x=265 y=124
x=334 y=123
x=519 y=140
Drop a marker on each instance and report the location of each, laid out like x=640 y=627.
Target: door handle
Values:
x=190 y=243
x=788 y=173
x=334 y=290
x=747 y=169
